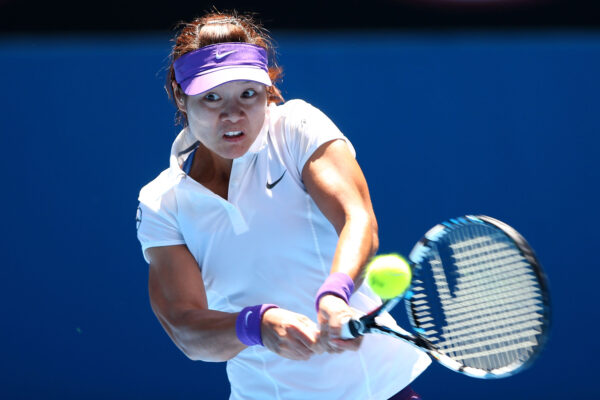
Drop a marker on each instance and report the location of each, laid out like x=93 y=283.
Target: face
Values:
x=228 y=118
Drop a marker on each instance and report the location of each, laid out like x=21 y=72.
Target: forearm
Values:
x=204 y=335
x=211 y=335
x=358 y=241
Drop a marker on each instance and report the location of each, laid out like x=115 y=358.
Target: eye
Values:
x=212 y=97
x=249 y=93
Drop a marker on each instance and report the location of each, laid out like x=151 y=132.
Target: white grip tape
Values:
x=345 y=330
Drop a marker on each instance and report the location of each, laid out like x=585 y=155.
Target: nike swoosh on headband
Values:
x=221 y=55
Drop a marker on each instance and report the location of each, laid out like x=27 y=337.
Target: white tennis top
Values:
x=269 y=243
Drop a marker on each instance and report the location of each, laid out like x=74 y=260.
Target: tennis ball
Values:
x=388 y=275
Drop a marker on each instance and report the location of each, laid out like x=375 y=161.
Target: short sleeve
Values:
x=306 y=129
x=157 y=223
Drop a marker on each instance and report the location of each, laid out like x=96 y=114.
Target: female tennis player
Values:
x=258 y=231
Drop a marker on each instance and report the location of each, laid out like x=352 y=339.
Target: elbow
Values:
x=203 y=358
x=206 y=356
x=195 y=355
x=191 y=352
x=199 y=343
x=196 y=352
x=189 y=341
x=374 y=236
x=191 y=355
x=374 y=243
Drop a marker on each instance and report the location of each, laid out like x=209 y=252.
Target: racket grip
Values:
x=350 y=329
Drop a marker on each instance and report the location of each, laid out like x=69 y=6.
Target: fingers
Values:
x=347 y=345
x=290 y=335
x=296 y=337
x=333 y=313
x=304 y=344
x=335 y=345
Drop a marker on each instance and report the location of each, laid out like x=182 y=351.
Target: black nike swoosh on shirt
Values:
x=272 y=185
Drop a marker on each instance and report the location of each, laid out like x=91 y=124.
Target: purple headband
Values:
x=201 y=70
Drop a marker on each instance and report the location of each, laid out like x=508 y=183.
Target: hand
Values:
x=333 y=312
x=289 y=334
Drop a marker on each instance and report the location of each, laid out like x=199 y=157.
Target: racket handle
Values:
x=351 y=329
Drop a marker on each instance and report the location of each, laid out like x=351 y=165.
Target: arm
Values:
x=178 y=299
x=337 y=185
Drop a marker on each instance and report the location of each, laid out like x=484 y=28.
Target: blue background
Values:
x=446 y=124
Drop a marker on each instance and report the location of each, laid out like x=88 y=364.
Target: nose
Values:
x=232 y=112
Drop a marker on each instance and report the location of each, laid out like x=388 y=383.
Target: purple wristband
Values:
x=337 y=284
x=247 y=324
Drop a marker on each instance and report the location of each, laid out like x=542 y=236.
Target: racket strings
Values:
x=465 y=318
x=492 y=307
x=503 y=337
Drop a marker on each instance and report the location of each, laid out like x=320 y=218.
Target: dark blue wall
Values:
x=444 y=124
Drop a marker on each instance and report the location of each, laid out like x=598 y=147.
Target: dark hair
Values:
x=221 y=27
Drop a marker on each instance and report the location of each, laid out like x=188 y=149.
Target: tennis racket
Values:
x=478 y=301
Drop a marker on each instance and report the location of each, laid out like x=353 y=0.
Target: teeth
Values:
x=235 y=133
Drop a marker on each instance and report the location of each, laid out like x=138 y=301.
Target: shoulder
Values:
x=297 y=118
x=158 y=192
x=298 y=129
x=292 y=110
x=295 y=105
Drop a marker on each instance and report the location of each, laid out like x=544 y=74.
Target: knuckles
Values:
x=296 y=337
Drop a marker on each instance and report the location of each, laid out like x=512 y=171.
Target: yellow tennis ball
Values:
x=388 y=275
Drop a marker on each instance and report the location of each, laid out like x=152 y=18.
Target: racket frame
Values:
x=367 y=324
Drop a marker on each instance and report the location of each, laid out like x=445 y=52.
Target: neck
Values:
x=211 y=170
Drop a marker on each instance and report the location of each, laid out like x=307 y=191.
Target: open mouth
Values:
x=233 y=134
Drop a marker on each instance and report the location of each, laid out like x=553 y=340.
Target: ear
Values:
x=180 y=97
